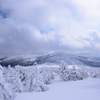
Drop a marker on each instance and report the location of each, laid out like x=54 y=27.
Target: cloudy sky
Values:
x=42 y=26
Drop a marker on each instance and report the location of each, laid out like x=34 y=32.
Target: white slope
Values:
x=87 y=89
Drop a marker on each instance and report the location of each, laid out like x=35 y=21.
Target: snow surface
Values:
x=87 y=89
x=48 y=65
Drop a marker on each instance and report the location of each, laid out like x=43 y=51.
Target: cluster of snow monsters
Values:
x=23 y=79
x=74 y=72
x=28 y=79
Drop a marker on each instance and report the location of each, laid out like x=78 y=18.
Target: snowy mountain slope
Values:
x=17 y=61
x=2 y=57
x=53 y=58
x=57 y=58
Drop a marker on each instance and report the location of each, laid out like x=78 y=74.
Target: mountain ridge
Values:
x=52 y=58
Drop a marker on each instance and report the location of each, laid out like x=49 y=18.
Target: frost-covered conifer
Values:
x=12 y=76
x=1 y=71
x=17 y=85
x=94 y=72
x=47 y=75
x=38 y=85
x=33 y=80
x=9 y=75
x=21 y=72
x=64 y=72
x=73 y=73
x=82 y=73
x=5 y=92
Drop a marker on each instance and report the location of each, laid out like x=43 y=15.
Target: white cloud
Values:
x=45 y=25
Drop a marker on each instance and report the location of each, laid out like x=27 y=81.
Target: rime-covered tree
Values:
x=12 y=76
x=33 y=80
x=64 y=72
x=94 y=72
x=9 y=75
x=73 y=73
x=5 y=92
x=21 y=72
x=1 y=71
x=47 y=74
x=17 y=85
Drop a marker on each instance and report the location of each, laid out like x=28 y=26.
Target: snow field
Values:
x=33 y=82
x=87 y=89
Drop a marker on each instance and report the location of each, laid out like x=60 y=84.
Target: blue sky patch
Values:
x=3 y=14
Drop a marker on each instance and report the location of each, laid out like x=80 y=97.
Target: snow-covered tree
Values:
x=17 y=85
x=64 y=72
x=12 y=76
x=5 y=92
x=73 y=73
x=77 y=73
x=38 y=85
x=33 y=80
x=94 y=72
x=82 y=72
x=47 y=74
x=9 y=75
x=21 y=72
x=1 y=71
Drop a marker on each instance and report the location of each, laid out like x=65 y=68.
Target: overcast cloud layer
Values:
x=40 y=26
